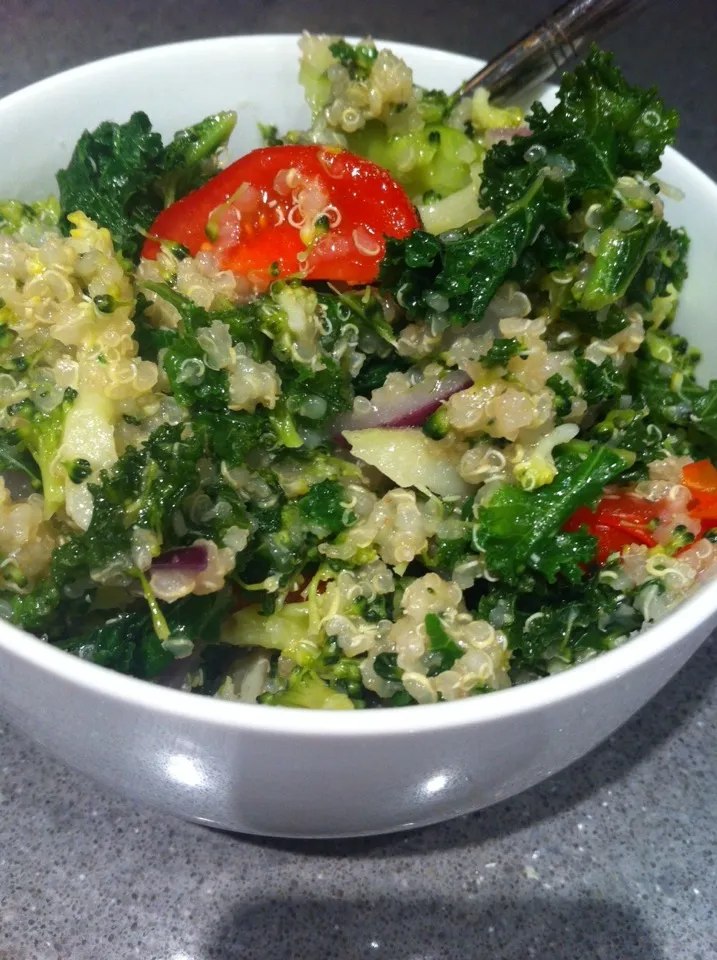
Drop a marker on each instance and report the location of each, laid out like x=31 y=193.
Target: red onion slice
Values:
x=408 y=409
x=186 y=559
x=497 y=134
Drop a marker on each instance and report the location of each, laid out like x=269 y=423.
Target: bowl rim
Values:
x=653 y=642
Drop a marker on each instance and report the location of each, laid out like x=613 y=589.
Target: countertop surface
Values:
x=613 y=859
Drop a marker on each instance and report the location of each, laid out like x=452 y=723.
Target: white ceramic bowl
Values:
x=291 y=772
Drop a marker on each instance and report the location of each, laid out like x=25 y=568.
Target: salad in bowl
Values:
x=387 y=411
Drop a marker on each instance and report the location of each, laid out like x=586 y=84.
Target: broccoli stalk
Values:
x=305 y=689
x=41 y=434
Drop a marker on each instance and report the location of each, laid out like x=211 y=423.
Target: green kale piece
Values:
x=564 y=393
x=601 y=383
x=121 y=175
x=357 y=59
x=194 y=384
x=619 y=256
x=143 y=489
x=467 y=268
x=602 y=128
x=519 y=531
x=602 y=324
x=232 y=436
x=443 y=651
x=386 y=666
x=128 y=643
x=444 y=555
x=323 y=509
x=665 y=265
x=500 y=352
x=557 y=624
x=111 y=178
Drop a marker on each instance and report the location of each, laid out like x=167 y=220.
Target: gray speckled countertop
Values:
x=614 y=859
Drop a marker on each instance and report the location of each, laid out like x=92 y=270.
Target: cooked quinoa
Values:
x=389 y=411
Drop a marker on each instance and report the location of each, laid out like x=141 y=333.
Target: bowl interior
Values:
x=257 y=76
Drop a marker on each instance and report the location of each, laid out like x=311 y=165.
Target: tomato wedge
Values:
x=617 y=522
x=317 y=212
x=700 y=478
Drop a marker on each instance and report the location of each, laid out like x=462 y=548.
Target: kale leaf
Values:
x=665 y=265
x=128 y=643
x=467 y=268
x=323 y=510
x=520 y=531
x=558 y=623
x=602 y=128
x=500 y=352
x=443 y=649
x=143 y=489
x=619 y=256
x=121 y=175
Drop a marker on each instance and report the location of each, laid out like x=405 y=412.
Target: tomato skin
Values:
x=265 y=244
x=618 y=521
x=700 y=478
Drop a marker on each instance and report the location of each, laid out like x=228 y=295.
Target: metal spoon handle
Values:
x=547 y=47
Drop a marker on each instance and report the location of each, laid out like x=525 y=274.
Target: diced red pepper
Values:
x=617 y=522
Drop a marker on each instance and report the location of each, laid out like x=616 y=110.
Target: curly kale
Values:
x=323 y=509
x=500 y=352
x=121 y=175
x=357 y=59
x=601 y=129
x=557 y=624
x=520 y=531
x=128 y=642
x=467 y=269
x=142 y=490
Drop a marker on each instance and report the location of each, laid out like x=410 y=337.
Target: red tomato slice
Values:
x=259 y=216
x=617 y=522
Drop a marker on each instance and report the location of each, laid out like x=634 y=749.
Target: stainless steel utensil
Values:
x=546 y=48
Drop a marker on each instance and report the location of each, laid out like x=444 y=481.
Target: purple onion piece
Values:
x=410 y=409
x=505 y=133
x=185 y=559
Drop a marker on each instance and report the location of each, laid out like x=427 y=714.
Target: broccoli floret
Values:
x=305 y=689
x=27 y=219
x=681 y=538
x=537 y=467
x=41 y=435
